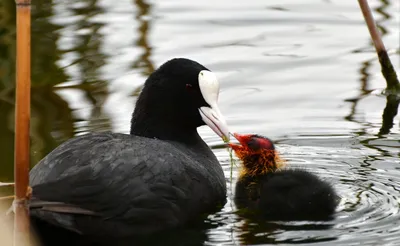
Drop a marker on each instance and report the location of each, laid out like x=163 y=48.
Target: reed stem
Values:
x=392 y=83
x=22 y=122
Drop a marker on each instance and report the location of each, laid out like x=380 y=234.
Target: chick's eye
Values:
x=188 y=87
x=253 y=144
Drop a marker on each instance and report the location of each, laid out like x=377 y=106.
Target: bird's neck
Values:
x=260 y=164
x=164 y=128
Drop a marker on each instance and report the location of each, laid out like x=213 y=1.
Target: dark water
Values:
x=303 y=73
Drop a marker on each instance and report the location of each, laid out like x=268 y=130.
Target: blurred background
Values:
x=303 y=73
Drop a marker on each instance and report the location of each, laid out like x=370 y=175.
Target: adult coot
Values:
x=276 y=193
x=160 y=176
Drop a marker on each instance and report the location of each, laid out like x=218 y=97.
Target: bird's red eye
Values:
x=188 y=86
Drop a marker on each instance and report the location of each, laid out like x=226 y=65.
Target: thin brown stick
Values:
x=22 y=122
x=388 y=71
x=6 y=184
x=373 y=30
x=6 y=198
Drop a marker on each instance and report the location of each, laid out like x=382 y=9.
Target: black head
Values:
x=178 y=97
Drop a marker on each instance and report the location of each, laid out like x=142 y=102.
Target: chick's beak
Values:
x=243 y=139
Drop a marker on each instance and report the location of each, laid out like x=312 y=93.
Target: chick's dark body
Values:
x=288 y=194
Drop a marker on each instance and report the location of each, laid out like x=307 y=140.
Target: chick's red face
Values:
x=257 y=153
x=251 y=144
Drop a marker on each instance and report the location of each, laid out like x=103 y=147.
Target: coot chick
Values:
x=160 y=176
x=277 y=193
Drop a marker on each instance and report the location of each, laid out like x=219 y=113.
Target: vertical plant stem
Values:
x=22 y=122
x=373 y=30
x=388 y=71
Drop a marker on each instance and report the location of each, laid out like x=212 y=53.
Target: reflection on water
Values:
x=143 y=61
x=390 y=111
x=303 y=74
x=87 y=62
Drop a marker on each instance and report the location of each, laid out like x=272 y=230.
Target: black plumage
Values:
x=287 y=194
x=159 y=177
